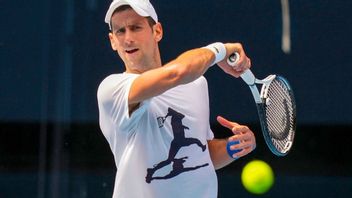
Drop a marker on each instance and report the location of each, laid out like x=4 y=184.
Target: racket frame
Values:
x=261 y=99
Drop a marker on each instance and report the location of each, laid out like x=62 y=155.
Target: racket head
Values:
x=277 y=114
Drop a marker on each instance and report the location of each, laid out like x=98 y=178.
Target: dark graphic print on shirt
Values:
x=177 y=143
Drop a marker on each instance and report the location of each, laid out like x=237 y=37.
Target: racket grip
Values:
x=247 y=76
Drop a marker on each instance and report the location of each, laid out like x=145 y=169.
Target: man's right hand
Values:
x=241 y=65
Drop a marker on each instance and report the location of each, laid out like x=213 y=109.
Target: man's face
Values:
x=134 y=40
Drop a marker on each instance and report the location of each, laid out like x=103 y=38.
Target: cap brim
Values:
x=115 y=4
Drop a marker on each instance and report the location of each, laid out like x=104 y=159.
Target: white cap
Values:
x=142 y=7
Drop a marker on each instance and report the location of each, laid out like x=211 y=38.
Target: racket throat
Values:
x=255 y=94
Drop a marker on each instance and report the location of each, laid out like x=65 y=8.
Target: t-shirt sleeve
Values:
x=113 y=101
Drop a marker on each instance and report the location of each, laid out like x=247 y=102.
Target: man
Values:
x=156 y=117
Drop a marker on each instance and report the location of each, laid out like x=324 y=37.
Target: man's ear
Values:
x=158 y=32
x=112 y=41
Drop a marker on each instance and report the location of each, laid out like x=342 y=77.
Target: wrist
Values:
x=219 y=51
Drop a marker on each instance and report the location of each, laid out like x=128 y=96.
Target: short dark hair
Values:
x=151 y=21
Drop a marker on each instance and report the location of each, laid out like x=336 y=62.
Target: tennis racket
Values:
x=276 y=109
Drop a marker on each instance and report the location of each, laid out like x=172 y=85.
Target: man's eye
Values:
x=134 y=28
x=120 y=31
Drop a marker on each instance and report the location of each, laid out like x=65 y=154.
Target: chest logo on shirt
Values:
x=177 y=143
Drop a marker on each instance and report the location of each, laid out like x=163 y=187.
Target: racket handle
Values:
x=247 y=76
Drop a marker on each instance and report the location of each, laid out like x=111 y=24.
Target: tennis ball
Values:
x=257 y=177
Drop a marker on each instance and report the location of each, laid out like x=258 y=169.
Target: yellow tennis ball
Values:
x=257 y=177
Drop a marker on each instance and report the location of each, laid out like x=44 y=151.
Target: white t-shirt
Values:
x=161 y=149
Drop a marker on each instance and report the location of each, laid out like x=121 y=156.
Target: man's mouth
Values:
x=131 y=51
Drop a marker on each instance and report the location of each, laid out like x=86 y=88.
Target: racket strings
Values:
x=280 y=114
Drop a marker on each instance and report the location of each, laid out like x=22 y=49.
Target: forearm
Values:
x=218 y=153
x=194 y=63
x=191 y=65
x=184 y=69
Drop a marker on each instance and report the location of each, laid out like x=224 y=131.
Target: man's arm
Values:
x=184 y=69
x=218 y=153
x=217 y=147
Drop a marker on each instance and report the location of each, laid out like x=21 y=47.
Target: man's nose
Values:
x=128 y=37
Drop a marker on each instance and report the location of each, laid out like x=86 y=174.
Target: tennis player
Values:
x=155 y=116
